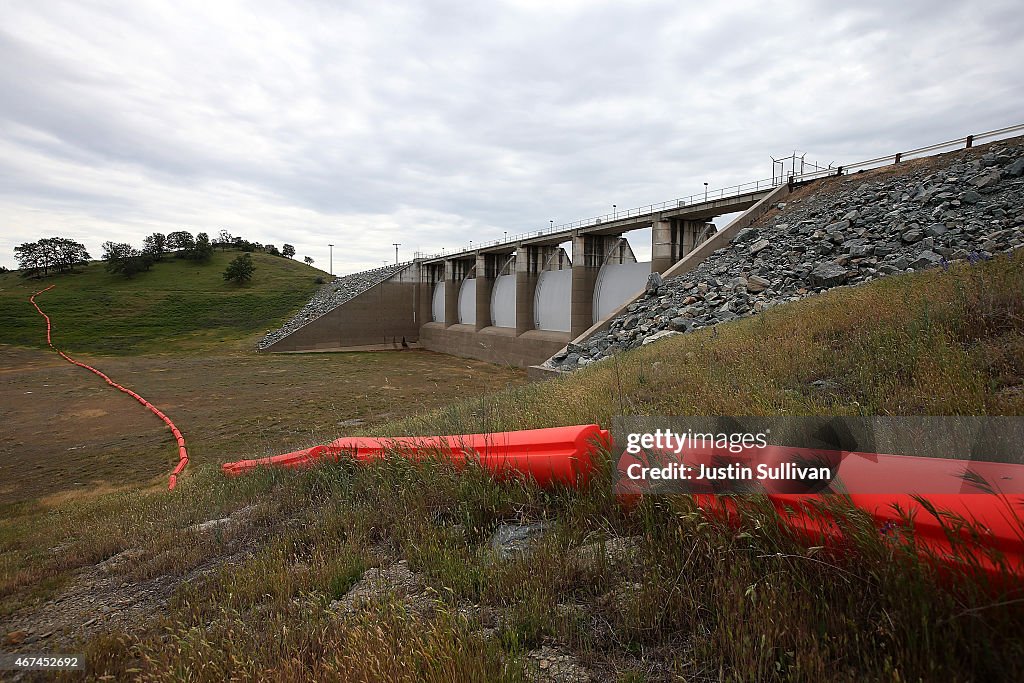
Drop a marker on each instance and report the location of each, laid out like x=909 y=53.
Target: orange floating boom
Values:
x=556 y=455
x=179 y=439
x=992 y=543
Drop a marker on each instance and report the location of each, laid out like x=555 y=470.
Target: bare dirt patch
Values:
x=65 y=429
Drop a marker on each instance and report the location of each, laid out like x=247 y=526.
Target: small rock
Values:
x=828 y=275
x=759 y=246
x=15 y=638
x=756 y=283
x=679 y=324
x=512 y=539
x=986 y=180
x=926 y=259
x=1016 y=169
x=912 y=235
x=861 y=250
x=659 y=335
x=744 y=235
x=211 y=524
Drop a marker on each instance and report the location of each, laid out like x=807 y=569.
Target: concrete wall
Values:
x=492 y=344
x=381 y=315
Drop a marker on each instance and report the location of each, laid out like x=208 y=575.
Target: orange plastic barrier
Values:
x=182 y=451
x=559 y=454
x=974 y=527
x=981 y=530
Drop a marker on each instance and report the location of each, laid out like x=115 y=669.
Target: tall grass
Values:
x=662 y=591
x=696 y=595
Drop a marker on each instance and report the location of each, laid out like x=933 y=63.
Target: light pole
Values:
x=613 y=211
x=552 y=225
x=397 y=245
x=705 y=191
x=330 y=268
x=506 y=235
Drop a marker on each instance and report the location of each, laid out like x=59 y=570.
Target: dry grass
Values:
x=698 y=598
x=67 y=426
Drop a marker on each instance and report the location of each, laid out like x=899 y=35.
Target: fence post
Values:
x=970 y=141
x=898 y=156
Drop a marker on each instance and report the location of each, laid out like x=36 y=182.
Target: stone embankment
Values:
x=843 y=231
x=329 y=297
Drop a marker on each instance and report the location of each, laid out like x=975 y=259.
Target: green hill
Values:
x=178 y=306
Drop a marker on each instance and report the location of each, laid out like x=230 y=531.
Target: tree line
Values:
x=58 y=254
x=50 y=255
x=123 y=258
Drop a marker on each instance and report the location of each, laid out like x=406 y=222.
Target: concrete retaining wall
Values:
x=382 y=315
x=493 y=344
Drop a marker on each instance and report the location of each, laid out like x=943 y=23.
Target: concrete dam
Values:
x=519 y=301
x=522 y=301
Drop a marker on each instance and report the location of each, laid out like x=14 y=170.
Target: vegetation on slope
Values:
x=681 y=596
x=178 y=306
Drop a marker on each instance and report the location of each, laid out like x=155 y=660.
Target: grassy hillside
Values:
x=176 y=307
x=656 y=594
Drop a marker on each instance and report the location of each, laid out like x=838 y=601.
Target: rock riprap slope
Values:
x=965 y=205
x=329 y=297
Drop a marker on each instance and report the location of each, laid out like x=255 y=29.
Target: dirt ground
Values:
x=63 y=430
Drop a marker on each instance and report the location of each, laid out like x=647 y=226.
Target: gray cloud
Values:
x=432 y=123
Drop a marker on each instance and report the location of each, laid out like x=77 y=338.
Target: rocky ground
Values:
x=103 y=598
x=329 y=297
x=107 y=596
x=550 y=662
x=967 y=205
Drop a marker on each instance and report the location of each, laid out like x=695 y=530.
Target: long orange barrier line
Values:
x=182 y=451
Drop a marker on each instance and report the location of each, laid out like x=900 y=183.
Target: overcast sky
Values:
x=433 y=123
